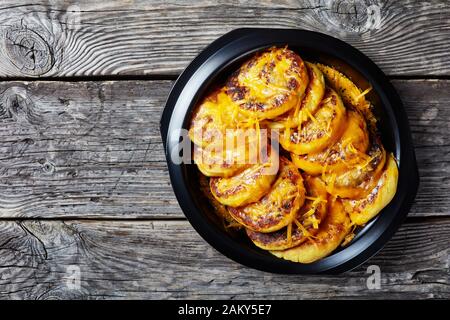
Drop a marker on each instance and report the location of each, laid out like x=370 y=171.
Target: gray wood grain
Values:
x=75 y=152
x=167 y=259
x=93 y=149
x=83 y=149
x=136 y=37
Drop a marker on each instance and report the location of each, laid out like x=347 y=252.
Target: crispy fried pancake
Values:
x=235 y=155
x=310 y=103
x=350 y=93
x=347 y=151
x=279 y=206
x=212 y=118
x=332 y=232
x=349 y=180
x=218 y=208
x=321 y=130
x=309 y=216
x=216 y=165
x=269 y=84
x=247 y=186
x=359 y=179
x=362 y=210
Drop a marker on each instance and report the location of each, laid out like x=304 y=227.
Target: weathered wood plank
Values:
x=92 y=149
x=136 y=37
x=163 y=259
x=427 y=106
x=83 y=149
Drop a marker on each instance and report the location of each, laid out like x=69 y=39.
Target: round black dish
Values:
x=212 y=66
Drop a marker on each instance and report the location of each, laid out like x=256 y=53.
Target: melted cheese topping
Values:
x=363 y=210
x=347 y=152
x=279 y=206
x=309 y=104
x=247 y=186
x=276 y=89
x=331 y=233
x=350 y=93
x=321 y=130
x=269 y=84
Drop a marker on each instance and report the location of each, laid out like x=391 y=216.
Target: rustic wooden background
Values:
x=83 y=181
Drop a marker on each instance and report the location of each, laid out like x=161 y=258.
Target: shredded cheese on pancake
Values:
x=325 y=140
x=313 y=119
x=362 y=94
x=332 y=181
x=304 y=231
x=289 y=233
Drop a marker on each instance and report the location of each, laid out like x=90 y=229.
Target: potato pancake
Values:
x=321 y=130
x=359 y=179
x=279 y=206
x=306 y=222
x=310 y=103
x=269 y=84
x=362 y=210
x=247 y=186
x=347 y=151
x=212 y=118
x=332 y=232
x=350 y=93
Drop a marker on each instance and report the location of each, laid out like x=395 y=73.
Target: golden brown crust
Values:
x=346 y=152
x=313 y=210
x=351 y=179
x=331 y=233
x=213 y=164
x=350 y=93
x=322 y=129
x=269 y=84
x=206 y=122
x=362 y=210
x=309 y=104
x=248 y=186
x=279 y=206
x=360 y=178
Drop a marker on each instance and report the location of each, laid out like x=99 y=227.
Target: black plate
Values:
x=212 y=66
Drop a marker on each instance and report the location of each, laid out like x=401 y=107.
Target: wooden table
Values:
x=84 y=188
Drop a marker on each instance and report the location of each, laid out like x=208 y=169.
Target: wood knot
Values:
x=16 y=104
x=48 y=167
x=351 y=16
x=28 y=51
